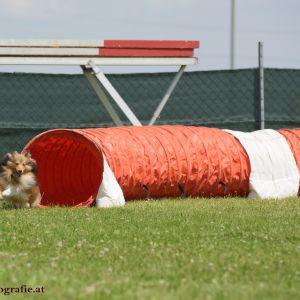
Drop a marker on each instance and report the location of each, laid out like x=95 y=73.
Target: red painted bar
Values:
x=116 y=52
x=151 y=44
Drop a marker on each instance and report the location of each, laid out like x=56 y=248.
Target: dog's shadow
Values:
x=6 y=205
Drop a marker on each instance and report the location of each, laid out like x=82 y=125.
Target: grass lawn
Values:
x=171 y=249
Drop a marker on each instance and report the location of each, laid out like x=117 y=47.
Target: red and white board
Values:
x=99 y=48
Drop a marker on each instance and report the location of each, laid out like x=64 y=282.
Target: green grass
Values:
x=172 y=249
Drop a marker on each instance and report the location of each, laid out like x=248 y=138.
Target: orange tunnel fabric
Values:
x=69 y=167
x=155 y=161
x=293 y=138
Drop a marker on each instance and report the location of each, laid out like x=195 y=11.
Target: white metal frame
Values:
x=98 y=61
x=167 y=95
x=101 y=95
x=12 y=55
x=113 y=93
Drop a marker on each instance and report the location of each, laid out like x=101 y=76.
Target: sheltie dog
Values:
x=18 y=182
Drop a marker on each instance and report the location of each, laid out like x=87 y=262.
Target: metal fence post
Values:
x=232 y=34
x=261 y=85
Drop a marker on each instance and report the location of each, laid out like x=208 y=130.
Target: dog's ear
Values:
x=33 y=165
x=15 y=152
x=6 y=158
x=27 y=154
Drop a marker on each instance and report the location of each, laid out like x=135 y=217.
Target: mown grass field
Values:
x=171 y=249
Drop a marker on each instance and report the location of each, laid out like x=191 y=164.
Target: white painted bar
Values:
x=52 y=43
x=104 y=61
x=35 y=51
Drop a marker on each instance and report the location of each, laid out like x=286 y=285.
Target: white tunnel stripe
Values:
x=110 y=193
x=274 y=172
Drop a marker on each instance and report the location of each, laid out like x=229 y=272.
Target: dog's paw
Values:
x=6 y=192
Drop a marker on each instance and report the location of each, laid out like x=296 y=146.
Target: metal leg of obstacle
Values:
x=113 y=93
x=167 y=95
x=101 y=95
x=92 y=72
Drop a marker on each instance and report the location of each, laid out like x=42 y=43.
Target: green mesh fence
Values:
x=32 y=103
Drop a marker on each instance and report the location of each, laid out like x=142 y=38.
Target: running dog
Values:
x=18 y=181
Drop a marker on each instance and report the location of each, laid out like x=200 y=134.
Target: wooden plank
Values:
x=161 y=44
x=120 y=52
x=104 y=61
x=38 y=51
x=52 y=43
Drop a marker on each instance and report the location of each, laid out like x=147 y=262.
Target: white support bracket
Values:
x=97 y=87
x=167 y=95
x=113 y=93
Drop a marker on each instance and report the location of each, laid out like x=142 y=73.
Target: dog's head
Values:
x=19 y=164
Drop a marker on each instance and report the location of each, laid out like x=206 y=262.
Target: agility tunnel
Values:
x=78 y=166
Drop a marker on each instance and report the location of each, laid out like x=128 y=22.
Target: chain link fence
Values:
x=32 y=103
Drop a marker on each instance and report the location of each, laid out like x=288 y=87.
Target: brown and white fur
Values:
x=18 y=182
